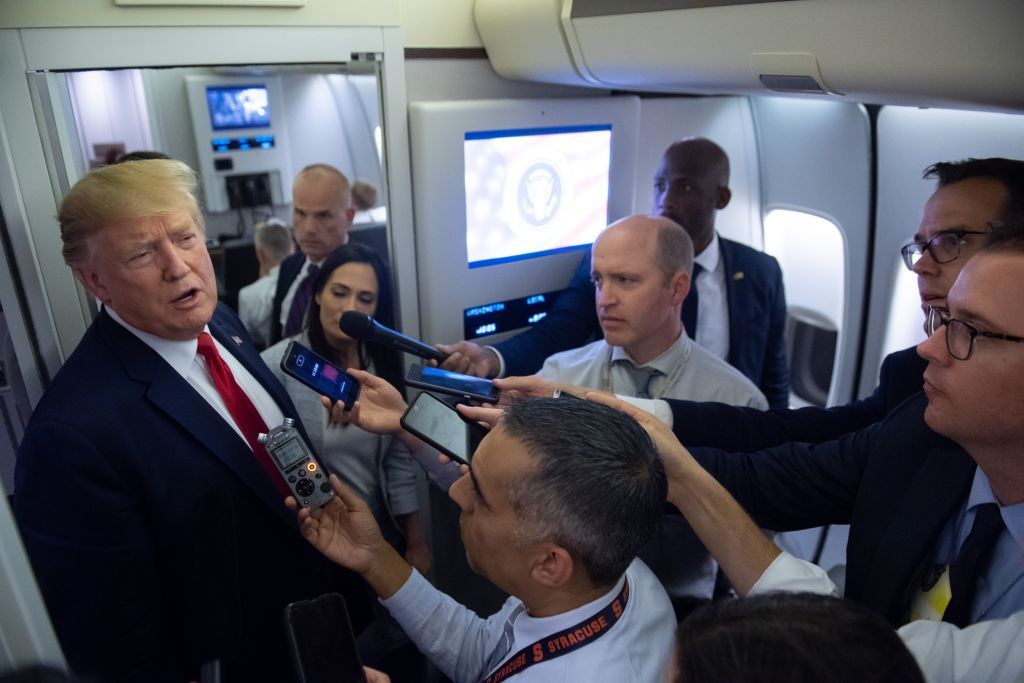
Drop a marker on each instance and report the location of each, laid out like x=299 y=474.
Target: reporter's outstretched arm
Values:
x=471 y=359
x=725 y=529
x=346 y=532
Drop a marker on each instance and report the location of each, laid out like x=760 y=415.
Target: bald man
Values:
x=641 y=269
x=739 y=315
x=322 y=214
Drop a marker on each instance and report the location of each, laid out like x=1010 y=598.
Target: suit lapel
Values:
x=934 y=494
x=175 y=397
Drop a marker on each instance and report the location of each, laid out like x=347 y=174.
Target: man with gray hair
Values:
x=272 y=241
x=560 y=496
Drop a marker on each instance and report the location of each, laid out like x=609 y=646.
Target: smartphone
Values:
x=322 y=642
x=315 y=372
x=443 y=427
x=452 y=383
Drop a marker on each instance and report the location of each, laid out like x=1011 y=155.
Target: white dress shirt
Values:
x=256 y=305
x=986 y=652
x=289 y=296
x=182 y=357
x=713 y=301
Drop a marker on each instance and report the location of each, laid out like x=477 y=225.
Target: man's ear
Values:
x=553 y=565
x=724 y=195
x=680 y=285
x=93 y=283
x=350 y=213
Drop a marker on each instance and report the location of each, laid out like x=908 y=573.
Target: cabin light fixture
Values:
x=792 y=72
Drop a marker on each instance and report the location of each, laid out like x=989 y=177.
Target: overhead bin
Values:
x=937 y=53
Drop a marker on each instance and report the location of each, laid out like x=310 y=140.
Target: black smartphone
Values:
x=315 y=372
x=322 y=642
x=443 y=427
x=452 y=383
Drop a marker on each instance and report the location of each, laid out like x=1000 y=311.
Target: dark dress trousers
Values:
x=158 y=541
x=747 y=429
x=896 y=483
x=757 y=320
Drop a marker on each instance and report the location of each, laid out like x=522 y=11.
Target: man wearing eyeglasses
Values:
x=934 y=494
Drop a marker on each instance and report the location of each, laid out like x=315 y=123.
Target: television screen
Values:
x=238 y=106
x=535 y=191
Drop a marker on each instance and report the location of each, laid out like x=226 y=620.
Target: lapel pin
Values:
x=738 y=275
x=237 y=339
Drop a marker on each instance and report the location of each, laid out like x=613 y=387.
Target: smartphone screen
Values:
x=322 y=642
x=315 y=372
x=453 y=383
x=440 y=425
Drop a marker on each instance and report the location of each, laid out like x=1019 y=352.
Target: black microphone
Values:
x=361 y=326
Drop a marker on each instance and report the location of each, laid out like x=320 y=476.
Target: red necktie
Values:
x=248 y=419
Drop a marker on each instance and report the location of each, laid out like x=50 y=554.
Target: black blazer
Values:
x=157 y=539
x=747 y=429
x=757 y=321
x=286 y=274
x=896 y=483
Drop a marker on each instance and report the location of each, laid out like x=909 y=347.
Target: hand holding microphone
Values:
x=361 y=326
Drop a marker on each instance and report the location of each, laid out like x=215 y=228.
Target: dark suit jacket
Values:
x=157 y=539
x=746 y=429
x=757 y=321
x=286 y=274
x=896 y=483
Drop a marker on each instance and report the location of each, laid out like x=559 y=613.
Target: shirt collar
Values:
x=178 y=354
x=530 y=629
x=1013 y=515
x=667 y=362
x=709 y=258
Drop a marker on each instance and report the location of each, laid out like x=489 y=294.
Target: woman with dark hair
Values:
x=791 y=638
x=378 y=467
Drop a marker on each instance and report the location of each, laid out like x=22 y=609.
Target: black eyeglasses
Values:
x=944 y=247
x=959 y=335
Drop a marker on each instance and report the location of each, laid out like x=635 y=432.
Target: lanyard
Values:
x=564 y=641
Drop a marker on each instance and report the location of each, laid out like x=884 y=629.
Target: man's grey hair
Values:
x=597 y=488
x=274 y=238
x=675 y=249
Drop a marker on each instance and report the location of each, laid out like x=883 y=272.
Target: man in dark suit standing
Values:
x=322 y=215
x=153 y=518
x=737 y=305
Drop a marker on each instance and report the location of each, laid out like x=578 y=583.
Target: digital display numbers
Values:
x=502 y=316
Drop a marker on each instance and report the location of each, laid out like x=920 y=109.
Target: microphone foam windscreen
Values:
x=356 y=325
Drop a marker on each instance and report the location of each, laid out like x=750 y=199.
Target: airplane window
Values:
x=811 y=251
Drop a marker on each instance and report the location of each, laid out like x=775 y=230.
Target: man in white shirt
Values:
x=559 y=498
x=272 y=242
x=641 y=270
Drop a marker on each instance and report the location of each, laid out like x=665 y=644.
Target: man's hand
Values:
x=346 y=533
x=533 y=386
x=487 y=417
x=374 y=676
x=470 y=359
x=378 y=409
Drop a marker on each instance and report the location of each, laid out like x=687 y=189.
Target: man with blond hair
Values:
x=150 y=512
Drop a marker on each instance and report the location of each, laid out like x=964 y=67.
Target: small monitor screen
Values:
x=238 y=106
x=535 y=191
